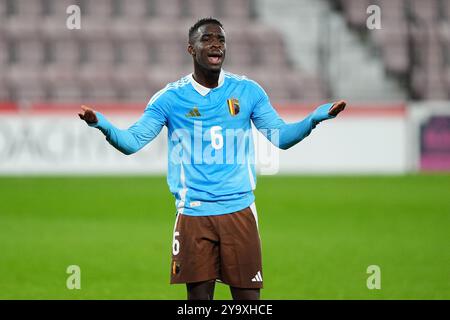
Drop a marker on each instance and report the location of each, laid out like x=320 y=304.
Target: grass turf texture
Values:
x=319 y=235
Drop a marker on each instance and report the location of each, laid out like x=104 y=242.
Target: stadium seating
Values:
x=414 y=41
x=127 y=50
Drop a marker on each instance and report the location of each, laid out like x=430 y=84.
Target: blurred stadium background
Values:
x=371 y=188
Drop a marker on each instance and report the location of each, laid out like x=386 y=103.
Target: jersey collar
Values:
x=204 y=90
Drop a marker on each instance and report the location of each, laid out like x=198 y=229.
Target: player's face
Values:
x=208 y=48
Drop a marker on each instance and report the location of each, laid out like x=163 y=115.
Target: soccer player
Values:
x=211 y=168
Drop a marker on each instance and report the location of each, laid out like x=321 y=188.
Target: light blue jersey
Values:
x=211 y=158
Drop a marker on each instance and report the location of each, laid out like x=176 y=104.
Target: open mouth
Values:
x=215 y=57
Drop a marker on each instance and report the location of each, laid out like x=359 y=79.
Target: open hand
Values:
x=88 y=115
x=337 y=107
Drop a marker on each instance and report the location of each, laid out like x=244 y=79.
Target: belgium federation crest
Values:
x=233 y=106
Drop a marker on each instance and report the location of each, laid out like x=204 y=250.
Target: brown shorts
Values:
x=223 y=247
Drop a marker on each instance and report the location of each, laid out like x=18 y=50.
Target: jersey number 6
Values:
x=216 y=137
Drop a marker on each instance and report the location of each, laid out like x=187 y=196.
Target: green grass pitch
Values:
x=319 y=235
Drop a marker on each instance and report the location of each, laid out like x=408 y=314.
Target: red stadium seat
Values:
x=201 y=8
x=168 y=8
x=355 y=12
x=392 y=40
x=392 y=10
x=424 y=10
x=237 y=9
x=136 y=10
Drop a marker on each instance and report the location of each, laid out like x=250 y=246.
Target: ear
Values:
x=191 y=49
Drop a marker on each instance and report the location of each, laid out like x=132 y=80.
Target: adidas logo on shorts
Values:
x=257 y=278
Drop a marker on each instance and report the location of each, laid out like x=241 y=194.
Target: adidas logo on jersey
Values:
x=257 y=278
x=193 y=113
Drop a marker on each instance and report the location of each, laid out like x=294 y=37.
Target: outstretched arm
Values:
x=291 y=134
x=284 y=135
x=132 y=139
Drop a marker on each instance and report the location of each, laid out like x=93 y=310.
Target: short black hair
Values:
x=201 y=22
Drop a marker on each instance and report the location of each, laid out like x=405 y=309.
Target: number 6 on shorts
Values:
x=175 y=244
